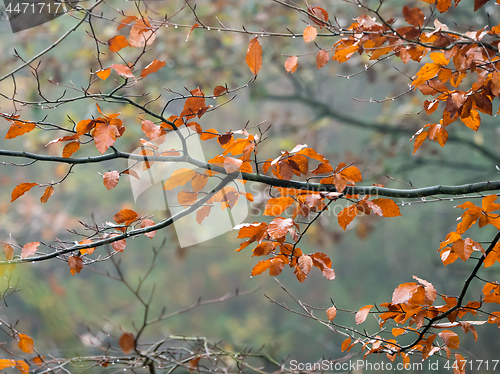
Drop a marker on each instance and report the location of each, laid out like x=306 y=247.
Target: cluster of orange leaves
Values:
x=412 y=302
x=435 y=78
x=26 y=345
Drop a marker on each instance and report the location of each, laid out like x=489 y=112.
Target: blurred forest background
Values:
x=313 y=107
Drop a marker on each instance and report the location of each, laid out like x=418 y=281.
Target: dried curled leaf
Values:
x=75 y=264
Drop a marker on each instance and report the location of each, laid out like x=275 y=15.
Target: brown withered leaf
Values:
x=29 y=249
x=219 y=90
x=322 y=58
x=119 y=245
x=49 y=191
x=125 y=216
x=9 y=251
x=75 y=264
x=414 y=16
x=127 y=342
x=331 y=313
x=254 y=56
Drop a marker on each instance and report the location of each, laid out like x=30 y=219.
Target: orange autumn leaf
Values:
x=87 y=250
x=331 y=313
x=345 y=344
x=21 y=189
x=190 y=31
x=276 y=206
x=19 y=128
x=362 y=314
x=179 y=177
x=203 y=213
x=450 y=339
x=279 y=227
x=8 y=251
x=105 y=136
x=195 y=105
x=388 y=207
x=153 y=67
x=70 y=148
x=261 y=267
x=119 y=245
x=110 y=179
x=254 y=56
x=125 y=216
x=291 y=64
x=117 y=43
x=187 y=198
x=29 y=249
x=310 y=34
x=305 y=263
x=125 y=22
x=404 y=292
x=346 y=216
x=6 y=363
x=142 y=33
x=25 y=343
x=322 y=58
x=49 y=191
x=103 y=73
x=151 y=130
x=148 y=223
